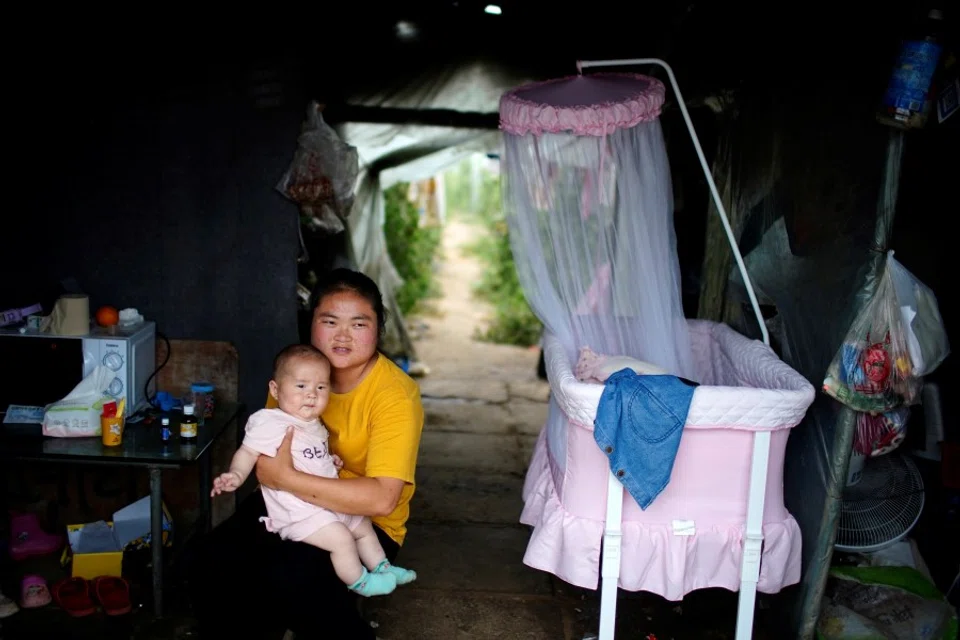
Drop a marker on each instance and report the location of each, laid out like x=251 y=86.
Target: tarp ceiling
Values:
x=392 y=153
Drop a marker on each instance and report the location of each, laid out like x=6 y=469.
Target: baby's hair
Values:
x=293 y=352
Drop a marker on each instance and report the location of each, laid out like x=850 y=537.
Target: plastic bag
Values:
x=926 y=336
x=880 y=434
x=322 y=176
x=873 y=370
x=872 y=603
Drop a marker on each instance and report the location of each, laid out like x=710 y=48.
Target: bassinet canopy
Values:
x=588 y=197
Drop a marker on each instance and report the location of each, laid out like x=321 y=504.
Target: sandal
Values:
x=73 y=596
x=34 y=592
x=7 y=607
x=114 y=594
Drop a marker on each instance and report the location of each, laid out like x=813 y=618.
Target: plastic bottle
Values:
x=189 y=424
x=907 y=100
x=202 y=398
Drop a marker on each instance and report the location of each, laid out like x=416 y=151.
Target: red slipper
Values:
x=73 y=596
x=114 y=594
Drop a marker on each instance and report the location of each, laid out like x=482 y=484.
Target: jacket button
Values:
x=609 y=449
x=620 y=473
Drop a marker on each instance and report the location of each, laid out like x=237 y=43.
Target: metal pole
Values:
x=581 y=64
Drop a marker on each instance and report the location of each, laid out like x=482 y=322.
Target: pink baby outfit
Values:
x=288 y=515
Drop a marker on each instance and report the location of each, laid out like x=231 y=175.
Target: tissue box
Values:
x=131 y=526
x=91 y=565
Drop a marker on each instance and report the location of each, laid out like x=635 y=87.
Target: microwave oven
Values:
x=40 y=368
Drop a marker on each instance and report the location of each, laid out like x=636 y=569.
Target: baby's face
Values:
x=303 y=388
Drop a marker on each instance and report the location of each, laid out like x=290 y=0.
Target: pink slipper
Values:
x=34 y=592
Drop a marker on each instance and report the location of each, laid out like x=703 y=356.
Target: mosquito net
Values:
x=588 y=199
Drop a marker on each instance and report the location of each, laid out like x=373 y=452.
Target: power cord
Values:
x=166 y=359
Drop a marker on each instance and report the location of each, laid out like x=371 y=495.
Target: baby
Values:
x=301 y=386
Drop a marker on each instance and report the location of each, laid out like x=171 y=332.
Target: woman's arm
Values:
x=356 y=496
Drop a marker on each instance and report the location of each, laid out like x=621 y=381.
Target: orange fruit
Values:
x=107 y=316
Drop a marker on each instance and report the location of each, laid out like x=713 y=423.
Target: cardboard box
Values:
x=132 y=524
x=131 y=529
x=91 y=565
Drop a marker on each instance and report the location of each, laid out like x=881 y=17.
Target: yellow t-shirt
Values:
x=375 y=429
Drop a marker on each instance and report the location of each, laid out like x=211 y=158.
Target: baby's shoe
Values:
x=7 y=607
x=34 y=592
x=27 y=539
x=403 y=576
x=374 y=584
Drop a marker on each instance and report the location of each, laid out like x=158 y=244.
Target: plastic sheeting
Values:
x=392 y=153
x=813 y=242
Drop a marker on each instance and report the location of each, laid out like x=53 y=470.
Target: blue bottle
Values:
x=907 y=100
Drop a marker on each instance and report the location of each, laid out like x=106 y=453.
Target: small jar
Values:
x=201 y=396
x=188 y=424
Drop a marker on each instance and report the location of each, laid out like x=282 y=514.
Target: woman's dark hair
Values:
x=340 y=280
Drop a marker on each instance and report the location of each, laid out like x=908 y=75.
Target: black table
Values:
x=141 y=447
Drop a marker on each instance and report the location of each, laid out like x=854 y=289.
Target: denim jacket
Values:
x=639 y=422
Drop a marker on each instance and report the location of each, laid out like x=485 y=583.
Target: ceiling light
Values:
x=406 y=30
x=493 y=9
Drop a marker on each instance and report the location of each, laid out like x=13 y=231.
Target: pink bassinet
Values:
x=587 y=195
x=692 y=536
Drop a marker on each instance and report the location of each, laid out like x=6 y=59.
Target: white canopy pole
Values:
x=753 y=538
x=581 y=64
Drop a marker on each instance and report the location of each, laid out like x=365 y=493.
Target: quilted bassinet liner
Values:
x=744 y=388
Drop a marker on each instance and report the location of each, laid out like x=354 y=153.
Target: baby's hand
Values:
x=229 y=481
x=337 y=462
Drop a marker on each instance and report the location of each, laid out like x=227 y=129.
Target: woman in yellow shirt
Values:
x=375 y=418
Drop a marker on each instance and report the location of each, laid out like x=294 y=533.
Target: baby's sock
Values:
x=374 y=584
x=404 y=576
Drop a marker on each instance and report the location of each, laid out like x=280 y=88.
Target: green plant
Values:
x=457 y=187
x=513 y=321
x=411 y=247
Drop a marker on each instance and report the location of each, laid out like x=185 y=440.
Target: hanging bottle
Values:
x=908 y=98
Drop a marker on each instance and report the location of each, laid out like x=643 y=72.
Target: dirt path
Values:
x=445 y=341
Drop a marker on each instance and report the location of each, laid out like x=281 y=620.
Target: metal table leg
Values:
x=205 y=475
x=156 y=539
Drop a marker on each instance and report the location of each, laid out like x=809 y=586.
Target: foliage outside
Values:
x=513 y=322
x=411 y=247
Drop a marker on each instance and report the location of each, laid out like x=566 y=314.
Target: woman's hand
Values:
x=274 y=472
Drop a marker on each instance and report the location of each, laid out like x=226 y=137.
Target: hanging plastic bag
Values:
x=872 y=371
x=322 y=176
x=925 y=334
x=880 y=434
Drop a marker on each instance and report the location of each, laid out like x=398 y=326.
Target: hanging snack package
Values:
x=896 y=339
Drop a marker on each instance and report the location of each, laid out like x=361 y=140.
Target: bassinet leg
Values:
x=753 y=538
x=610 y=562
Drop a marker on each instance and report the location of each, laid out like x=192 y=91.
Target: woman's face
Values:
x=345 y=329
